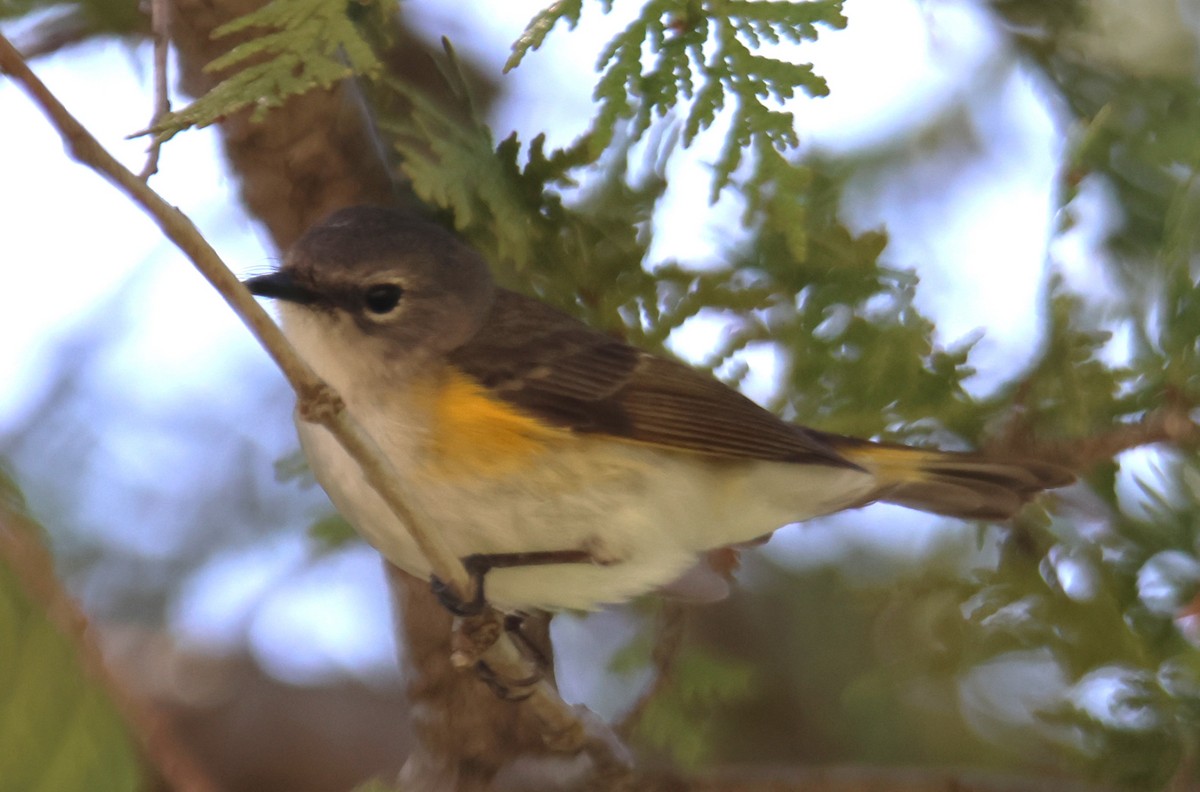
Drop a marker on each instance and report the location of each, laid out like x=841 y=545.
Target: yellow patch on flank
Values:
x=475 y=433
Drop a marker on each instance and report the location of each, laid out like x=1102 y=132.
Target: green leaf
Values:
x=294 y=467
x=58 y=728
x=301 y=45
x=659 y=61
x=586 y=259
x=93 y=17
x=331 y=533
x=680 y=719
x=540 y=26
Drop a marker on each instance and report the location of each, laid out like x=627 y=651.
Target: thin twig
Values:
x=1171 y=423
x=55 y=34
x=160 y=30
x=317 y=402
x=668 y=640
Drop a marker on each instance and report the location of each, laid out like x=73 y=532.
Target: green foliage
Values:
x=708 y=54
x=97 y=17
x=1086 y=600
x=858 y=356
x=542 y=23
x=1140 y=135
x=58 y=727
x=12 y=9
x=1075 y=392
x=300 y=45
x=1137 y=136
x=452 y=162
x=506 y=199
x=294 y=467
x=332 y=533
x=12 y=500
x=586 y=258
x=679 y=720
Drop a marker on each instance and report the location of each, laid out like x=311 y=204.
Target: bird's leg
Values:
x=479 y=564
x=477 y=628
x=514 y=625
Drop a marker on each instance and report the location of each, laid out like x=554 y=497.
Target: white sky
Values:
x=68 y=239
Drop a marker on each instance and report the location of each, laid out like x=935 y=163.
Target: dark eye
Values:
x=382 y=298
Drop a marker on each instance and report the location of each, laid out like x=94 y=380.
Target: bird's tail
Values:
x=957 y=484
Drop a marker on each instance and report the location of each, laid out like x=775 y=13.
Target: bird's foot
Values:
x=520 y=669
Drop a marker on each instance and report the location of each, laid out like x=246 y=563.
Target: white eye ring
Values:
x=382 y=298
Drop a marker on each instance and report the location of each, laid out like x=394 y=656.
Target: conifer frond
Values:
x=710 y=56
x=307 y=44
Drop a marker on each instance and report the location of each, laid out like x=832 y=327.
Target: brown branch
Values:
x=64 y=30
x=317 y=402
x=159 y=26
x=1170 y=423
x=29 y=560
x=313 y=154
x=470 y=735
x=857 y=779
x=668 y=639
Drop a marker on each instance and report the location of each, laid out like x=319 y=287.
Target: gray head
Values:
x=382 y=282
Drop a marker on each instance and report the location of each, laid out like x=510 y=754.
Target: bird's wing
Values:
x=555 y=368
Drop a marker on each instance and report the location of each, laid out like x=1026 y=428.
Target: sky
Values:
x=69 y=242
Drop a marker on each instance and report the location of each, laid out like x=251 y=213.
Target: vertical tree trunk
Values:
x=304 y=160
x=467 y=732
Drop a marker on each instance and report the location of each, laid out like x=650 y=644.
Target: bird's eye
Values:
x=382 y=298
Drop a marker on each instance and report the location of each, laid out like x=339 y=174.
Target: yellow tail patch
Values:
x=892 y=464
x=474 y=433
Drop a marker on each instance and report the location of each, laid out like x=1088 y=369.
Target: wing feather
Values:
x=558 y=369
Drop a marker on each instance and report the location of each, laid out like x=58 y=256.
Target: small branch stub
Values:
x=319 y=404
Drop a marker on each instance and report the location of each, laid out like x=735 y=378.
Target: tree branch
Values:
x=850 y=778
x=317 y=402
x=159 y=26
x=1170 y=423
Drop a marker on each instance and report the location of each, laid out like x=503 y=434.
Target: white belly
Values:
x=645 y=514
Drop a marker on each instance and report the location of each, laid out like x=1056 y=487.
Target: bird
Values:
x=568 y=468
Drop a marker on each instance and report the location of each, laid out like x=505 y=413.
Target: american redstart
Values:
x=576 y=468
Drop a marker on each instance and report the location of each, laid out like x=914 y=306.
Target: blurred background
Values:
x=1026 y=170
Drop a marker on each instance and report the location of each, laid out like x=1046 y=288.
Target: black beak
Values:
x=280 y=286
